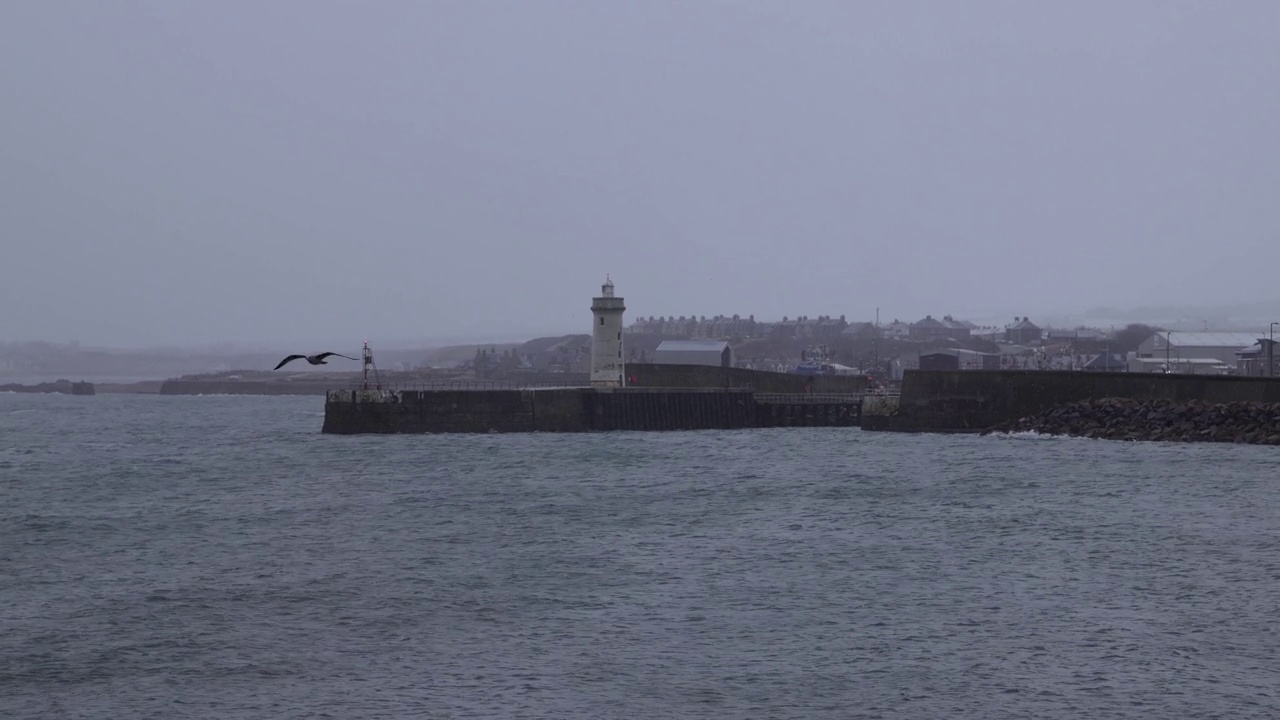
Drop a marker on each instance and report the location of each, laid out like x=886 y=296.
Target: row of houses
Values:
x=721 y=327
x=827 y=327
x=1022 y=331
x=947 y=328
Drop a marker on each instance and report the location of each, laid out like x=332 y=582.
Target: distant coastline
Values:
x=62 y=387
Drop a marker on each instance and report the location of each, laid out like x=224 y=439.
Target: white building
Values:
x=606 y=338
x=897 y=330
x=694 y=352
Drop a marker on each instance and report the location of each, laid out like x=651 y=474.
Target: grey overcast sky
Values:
x=188 y=172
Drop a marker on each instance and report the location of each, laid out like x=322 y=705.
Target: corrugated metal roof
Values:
x=1180 y=361
x=859 y=327
x=692 y=345
x=959 y=352
x=1208 y=339
x=1077 y=334
x=1258 y=347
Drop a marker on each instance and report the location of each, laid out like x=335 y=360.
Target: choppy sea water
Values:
x=217 y=557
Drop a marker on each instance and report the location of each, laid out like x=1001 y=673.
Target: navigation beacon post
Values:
x=367 y=364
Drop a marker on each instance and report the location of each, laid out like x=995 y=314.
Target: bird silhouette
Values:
x=313 y=359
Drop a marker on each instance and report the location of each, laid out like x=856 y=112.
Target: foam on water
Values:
x=1034 y=435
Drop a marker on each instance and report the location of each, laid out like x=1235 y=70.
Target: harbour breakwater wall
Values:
x=244 y=387
x=709 y=376
x=262 y=383
x=976 y=400
x=580 y=410
x=644 y=375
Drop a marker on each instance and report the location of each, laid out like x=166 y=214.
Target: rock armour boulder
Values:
x=1156 y=420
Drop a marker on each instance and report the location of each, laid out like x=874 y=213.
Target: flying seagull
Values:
x=313 y=359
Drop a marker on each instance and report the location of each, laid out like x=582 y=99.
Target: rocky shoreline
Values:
x=1156 y=420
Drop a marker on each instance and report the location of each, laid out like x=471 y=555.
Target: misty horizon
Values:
x=1240 y=317
x=281 y=175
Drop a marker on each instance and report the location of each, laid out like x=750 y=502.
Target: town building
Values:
x=1191 y=352
x=823 y=327
x=932 y=329
x=715 y=353
x=1259 y=359
x=1106 y=362
x=897 y=330
x=990 y=333
x=1023 y=332
x=960 y=329
x=958 y=359
x=860 y=331
x=1054 y=336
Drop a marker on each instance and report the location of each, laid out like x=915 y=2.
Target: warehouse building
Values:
x=1191 y=352
x=715 y=353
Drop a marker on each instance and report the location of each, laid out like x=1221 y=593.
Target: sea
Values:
x=219 y=557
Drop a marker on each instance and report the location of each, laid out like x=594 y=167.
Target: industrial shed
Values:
x=1191 y=352
x=958 y=359
x=715 y=353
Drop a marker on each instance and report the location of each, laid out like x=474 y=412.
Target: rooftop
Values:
x=693 y=345
x=1207 y=339
x=928 y=322
x=1181 y=361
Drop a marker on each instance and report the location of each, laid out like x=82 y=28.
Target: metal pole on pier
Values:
x=1271 y=349
x=875 y=342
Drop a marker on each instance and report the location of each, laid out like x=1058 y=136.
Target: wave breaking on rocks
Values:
x=1156 y=420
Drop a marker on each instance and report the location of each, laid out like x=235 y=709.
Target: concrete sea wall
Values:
x=647 y=375
x=244 y=387
x=354 y=411
x=706 y=376
x=578 y=410
x=974 y=400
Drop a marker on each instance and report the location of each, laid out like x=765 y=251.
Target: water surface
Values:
x=217 y=557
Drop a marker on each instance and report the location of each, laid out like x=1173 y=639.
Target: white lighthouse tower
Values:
x=606 y=338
